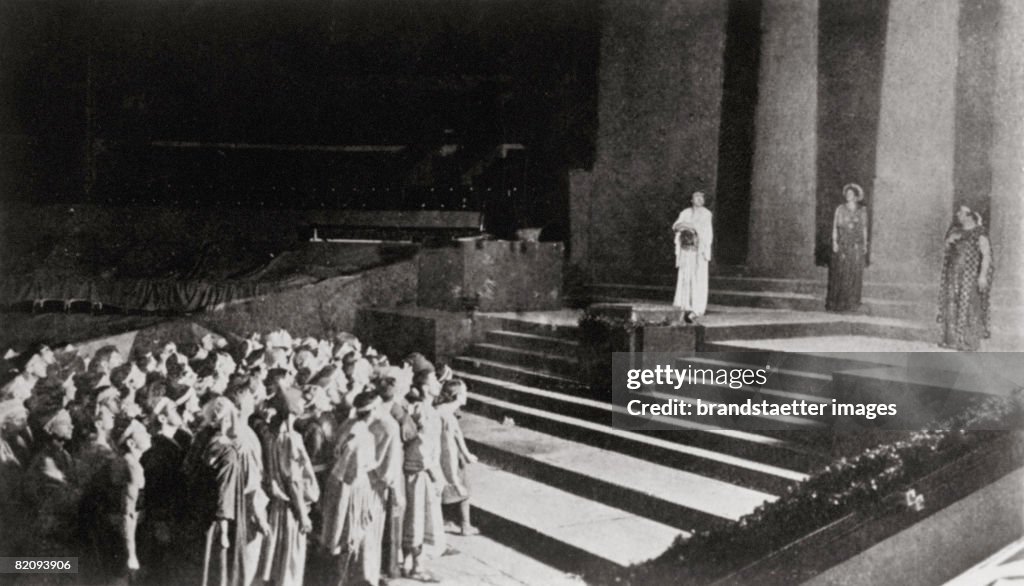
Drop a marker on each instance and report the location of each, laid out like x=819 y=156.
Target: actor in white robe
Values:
x=693 y=236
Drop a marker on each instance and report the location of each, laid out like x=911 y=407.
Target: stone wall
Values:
x=660 y=90
x=941 y=546
x=492 y=275
x=320 y=309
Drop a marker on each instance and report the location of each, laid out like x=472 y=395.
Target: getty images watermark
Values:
x=764 y=390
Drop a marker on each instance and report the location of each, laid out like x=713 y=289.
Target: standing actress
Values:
x=966 y=280
x=849 y=251
x=693 y=236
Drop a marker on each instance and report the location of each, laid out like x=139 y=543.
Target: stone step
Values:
x=804 y=302
x=890 y=291
x=574 y=533
x=824 y=355
x=565 y=328
x=675 y=497
x=567 y=367
x=665 y=448
x=522 y=341
x=880 y=328
x=765 y=300
x=715 y=332
x=1007 y=298
x=780 y=443
x=819 y=287
x=520 y=374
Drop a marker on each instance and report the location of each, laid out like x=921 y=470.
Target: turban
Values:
x=365 y=402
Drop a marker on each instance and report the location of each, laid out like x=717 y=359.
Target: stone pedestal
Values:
x=622 y=327
x=492 y=275
x=397 y=332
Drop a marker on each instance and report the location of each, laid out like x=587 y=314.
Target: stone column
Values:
x=1007 y=211
x=783 y=198
x=913 y=190
x=659 y=102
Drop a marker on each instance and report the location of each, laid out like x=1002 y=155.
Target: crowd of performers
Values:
x=255 y=458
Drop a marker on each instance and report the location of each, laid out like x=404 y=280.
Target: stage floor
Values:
x=823 y=345
x=717 y=315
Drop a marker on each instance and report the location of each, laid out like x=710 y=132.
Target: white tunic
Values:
x=692 y=263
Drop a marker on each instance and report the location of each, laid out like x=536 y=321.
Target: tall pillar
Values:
x=659 y=104
x=1007 y=200
x=783 y=200
x=913 y=189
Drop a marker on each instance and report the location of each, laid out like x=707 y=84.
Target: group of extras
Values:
x=252 y=457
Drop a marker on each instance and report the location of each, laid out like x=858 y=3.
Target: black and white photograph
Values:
x=512 y=292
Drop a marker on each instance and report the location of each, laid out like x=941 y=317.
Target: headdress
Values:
x=857 y=190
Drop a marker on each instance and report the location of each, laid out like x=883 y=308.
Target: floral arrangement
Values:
x=848 y=485
x=592 y=322
x=688 y=238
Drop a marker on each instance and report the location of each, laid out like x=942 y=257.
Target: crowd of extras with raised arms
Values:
x=269 y=461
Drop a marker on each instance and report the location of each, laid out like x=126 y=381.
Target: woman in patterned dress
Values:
x=849 y=251
x=966 y=281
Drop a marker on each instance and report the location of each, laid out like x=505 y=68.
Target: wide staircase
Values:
x=562 y=484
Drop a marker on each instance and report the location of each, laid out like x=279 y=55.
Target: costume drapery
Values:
x=293 y=488
x=387 y=433
x=846 y=267
x=111 y=496
x=167 y=498
x=255 y=502
x=963 y=309
x=353 y=512
x=52 y=494
x=453 y=464
x=423 y=483
x=220 y=494
x=693 y=238
x=12 y=517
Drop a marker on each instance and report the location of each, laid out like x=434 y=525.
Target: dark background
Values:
x=255 y=103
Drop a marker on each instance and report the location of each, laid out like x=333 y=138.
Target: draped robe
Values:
x=692 y=259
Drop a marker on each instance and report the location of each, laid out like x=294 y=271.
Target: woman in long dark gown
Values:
x=966 y=282
x=849 y=251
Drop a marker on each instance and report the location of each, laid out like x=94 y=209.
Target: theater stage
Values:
x=796 y=331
